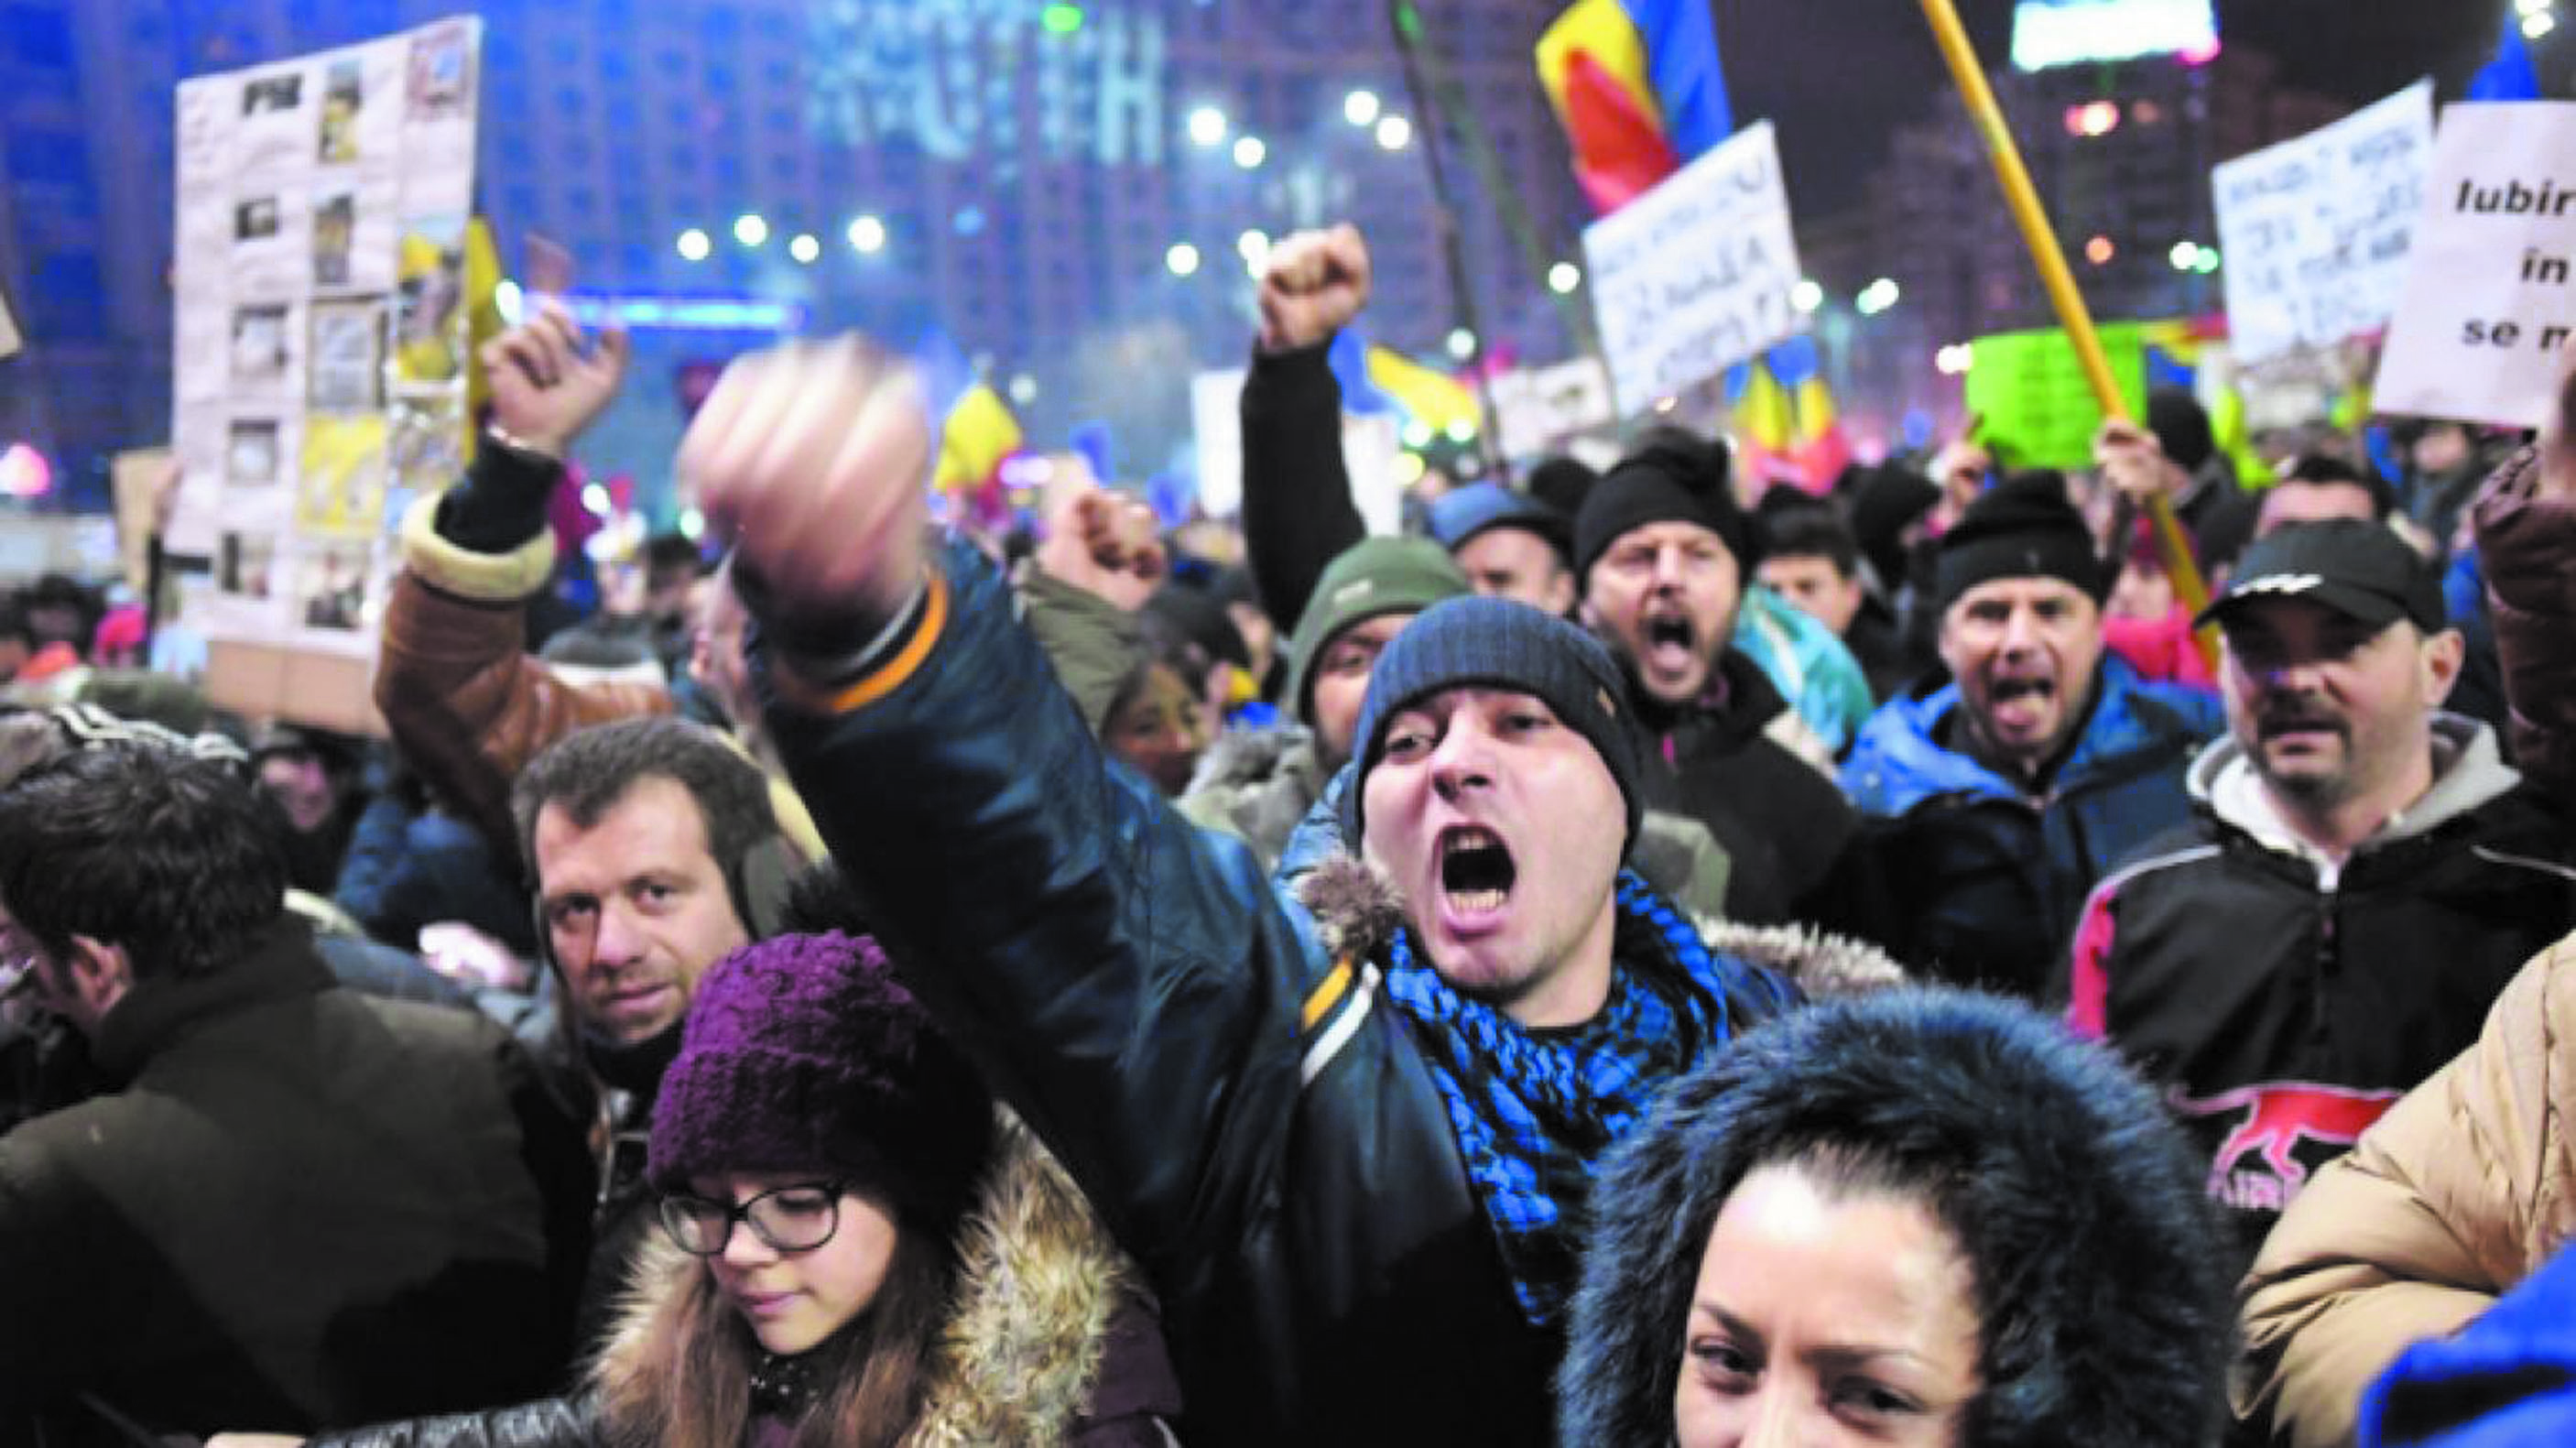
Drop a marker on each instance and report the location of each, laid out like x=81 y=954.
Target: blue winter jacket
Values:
x=1983 y=884
x=2507 y=1380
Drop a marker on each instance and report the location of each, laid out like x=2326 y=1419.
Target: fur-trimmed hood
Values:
x=2106 y=1315
x=1357 y=910
x=1038 y=1283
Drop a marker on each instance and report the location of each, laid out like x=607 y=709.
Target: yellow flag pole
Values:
x=2054 y=276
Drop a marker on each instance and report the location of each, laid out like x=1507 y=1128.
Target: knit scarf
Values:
x=1534 y=1112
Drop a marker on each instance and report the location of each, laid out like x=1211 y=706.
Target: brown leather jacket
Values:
x=2527 y=550
x=465 y=700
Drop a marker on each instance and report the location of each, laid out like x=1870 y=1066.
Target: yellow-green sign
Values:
x=2035 y=408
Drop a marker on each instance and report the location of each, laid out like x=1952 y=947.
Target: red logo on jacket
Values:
x=2278 y=1118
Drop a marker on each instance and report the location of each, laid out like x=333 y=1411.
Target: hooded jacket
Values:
x=1222 y=1076
x=2286 y=1002
x=2461 y=1191
x=1983 y=882
x=1049 y=1341
x=2074 y=1203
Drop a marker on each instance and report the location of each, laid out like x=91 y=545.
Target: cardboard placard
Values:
x=1370 y=445
x=1696 y=275
x=1537 y=409
x=2490 y=299
x=2315 y=231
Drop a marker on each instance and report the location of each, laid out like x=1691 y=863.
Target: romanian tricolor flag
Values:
x=978 y=435
x=1637 y=85
x=1427 y=395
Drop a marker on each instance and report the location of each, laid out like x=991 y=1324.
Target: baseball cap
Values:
x=2358 y=569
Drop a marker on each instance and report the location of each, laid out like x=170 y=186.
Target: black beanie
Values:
x=2023 y=527
x=1673 y=478
x=2181 y=427
x=1502 y=644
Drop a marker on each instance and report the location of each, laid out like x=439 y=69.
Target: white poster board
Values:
x=1370 y=446
x=2491 y=295
x=321 y=327
x=1537 y=409
x=1695 y=275
x=2315 y=231
x=9 y=340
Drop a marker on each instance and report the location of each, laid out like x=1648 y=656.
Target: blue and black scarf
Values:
x=1534 y=1111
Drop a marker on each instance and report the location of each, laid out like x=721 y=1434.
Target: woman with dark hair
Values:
x=1919 y=1217
x=855 y=1248
x=1159 y=718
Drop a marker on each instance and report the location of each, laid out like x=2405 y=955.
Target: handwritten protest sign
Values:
x=2036 y=408
x=2315 y=231
x=1537 y=409
x=1695 y=275
x=2488 y=304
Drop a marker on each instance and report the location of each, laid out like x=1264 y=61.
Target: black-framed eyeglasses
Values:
x=798 y=1217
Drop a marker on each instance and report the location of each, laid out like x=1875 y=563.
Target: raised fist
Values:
x=544 y=390
x=1312 y=285
x=2134 y=463
x=1103 y=543
x=812 y=459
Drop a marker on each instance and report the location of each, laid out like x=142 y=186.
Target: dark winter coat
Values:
x=297 y=1208
x=1983 y=882
x=2285 y=1003
x=1251 y=1117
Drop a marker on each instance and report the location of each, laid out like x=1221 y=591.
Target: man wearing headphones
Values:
x=655 y=853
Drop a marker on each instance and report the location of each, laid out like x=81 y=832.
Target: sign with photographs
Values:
x=321 y=324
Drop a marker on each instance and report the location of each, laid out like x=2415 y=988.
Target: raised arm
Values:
x=1297 y=508
x=1127 y=982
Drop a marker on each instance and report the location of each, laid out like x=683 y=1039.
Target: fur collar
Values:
x=1357 y=910
x=1241 y=758
x=1038 y=1281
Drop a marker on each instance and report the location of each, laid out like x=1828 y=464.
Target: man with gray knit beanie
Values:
x=1348 y=1131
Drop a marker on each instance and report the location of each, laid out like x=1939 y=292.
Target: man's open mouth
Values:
x=1671 y=640
x=2021 y=703
x=1476 y=870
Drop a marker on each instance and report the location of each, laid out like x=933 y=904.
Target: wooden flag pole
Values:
x=2072 y=315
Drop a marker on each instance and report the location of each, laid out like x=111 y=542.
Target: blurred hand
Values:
x=1312 y=285
x=812 y=459
x=471 y=958
x=2134 y=463
x=1960 y=469
x=2558 y=435
x=544 y=391
x=1103 y=543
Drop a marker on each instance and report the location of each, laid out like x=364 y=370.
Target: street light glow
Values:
x=750 y=229
x=804 y=247
x=1360 y=107
x=867 y=234
x=1877 y=297
x=1394 y=133
x=1462 y=343
x=1183 y=259
x=1563 y=278
x=1207 y=126
x=1807 y=295
x=694 y=245
x=1249 y=152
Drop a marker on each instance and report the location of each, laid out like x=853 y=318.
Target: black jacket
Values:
x=302 y=1206
x=1256 y=1125
x=2285 y=1005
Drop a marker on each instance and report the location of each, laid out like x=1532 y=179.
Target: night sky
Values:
x=1838 y=76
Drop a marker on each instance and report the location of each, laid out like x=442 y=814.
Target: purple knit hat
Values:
x=802 y=1053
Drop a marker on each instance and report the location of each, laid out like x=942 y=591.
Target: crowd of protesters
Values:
x=1645 y=957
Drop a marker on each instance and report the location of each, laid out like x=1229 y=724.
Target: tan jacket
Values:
x=469 y=705
x=2458 y=1193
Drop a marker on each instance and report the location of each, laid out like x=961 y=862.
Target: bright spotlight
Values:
x=1394 y=133
x=1207 y=126
x=694 y=245
x=750 y=229
x=867 y=234
x=1183 y=259
x=1360 y=107
x=804 y=248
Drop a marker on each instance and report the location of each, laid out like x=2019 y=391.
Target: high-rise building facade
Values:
x=1069 y=191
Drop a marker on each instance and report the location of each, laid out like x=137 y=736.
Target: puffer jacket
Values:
x=1983 y=883
x=2284 y=1002
x=1051 y=1339
x=2462 y=1190
x=1253 y=1118
x=464 y=698
x=2524 y=543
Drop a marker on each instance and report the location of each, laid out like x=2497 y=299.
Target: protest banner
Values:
x=1370 y=446
x=1536 y=410
x=2036 y=408
x=2487 y=308
x=2315 y=231
x=321 y=346
x=1696 y=275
